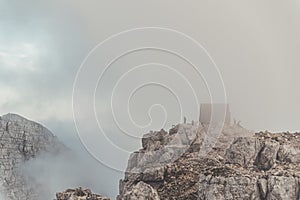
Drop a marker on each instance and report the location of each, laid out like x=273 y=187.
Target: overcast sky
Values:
x=255 y=45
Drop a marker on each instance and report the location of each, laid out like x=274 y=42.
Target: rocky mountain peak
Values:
x=20 y=141
x=240 y=165
x=14 y=118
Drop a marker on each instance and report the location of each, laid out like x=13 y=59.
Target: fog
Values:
x=54 y=174
x=253 y=44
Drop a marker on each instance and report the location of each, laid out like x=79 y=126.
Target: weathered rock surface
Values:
x=20 y=141
x=265 y=166
x=241 y=165
x=141 y=190
x=79 y=194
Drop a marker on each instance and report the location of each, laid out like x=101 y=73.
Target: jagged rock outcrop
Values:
x=141 y=190
x=20 y=141
x=79 y=194
x=265 y=166
x=241 y=165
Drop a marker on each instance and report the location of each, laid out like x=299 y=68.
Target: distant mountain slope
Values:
x=20 y=141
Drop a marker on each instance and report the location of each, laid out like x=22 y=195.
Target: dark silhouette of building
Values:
x=214 y=113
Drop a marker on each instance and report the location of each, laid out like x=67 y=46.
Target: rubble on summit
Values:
x=79 y=194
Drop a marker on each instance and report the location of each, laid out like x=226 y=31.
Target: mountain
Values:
x=241 y=165
x=20 y=141
x=238 y=163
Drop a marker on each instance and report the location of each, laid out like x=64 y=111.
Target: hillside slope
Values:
x=20 y=141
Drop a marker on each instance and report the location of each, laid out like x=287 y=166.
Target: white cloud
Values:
x=8 y=94
x=21 y=56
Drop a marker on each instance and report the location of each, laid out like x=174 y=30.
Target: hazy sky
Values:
x=255 y=45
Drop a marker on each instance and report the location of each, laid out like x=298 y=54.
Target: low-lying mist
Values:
x=55 y=173
x=1 y=197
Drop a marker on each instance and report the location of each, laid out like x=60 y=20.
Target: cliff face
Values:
x=241 y=165
x=20 y=141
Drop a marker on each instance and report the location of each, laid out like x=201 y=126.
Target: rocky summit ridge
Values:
x=241 y=165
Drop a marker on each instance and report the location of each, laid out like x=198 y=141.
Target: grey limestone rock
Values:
x=79 y=194
x=20 y=141
x=141 y=191
x=241 y=165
